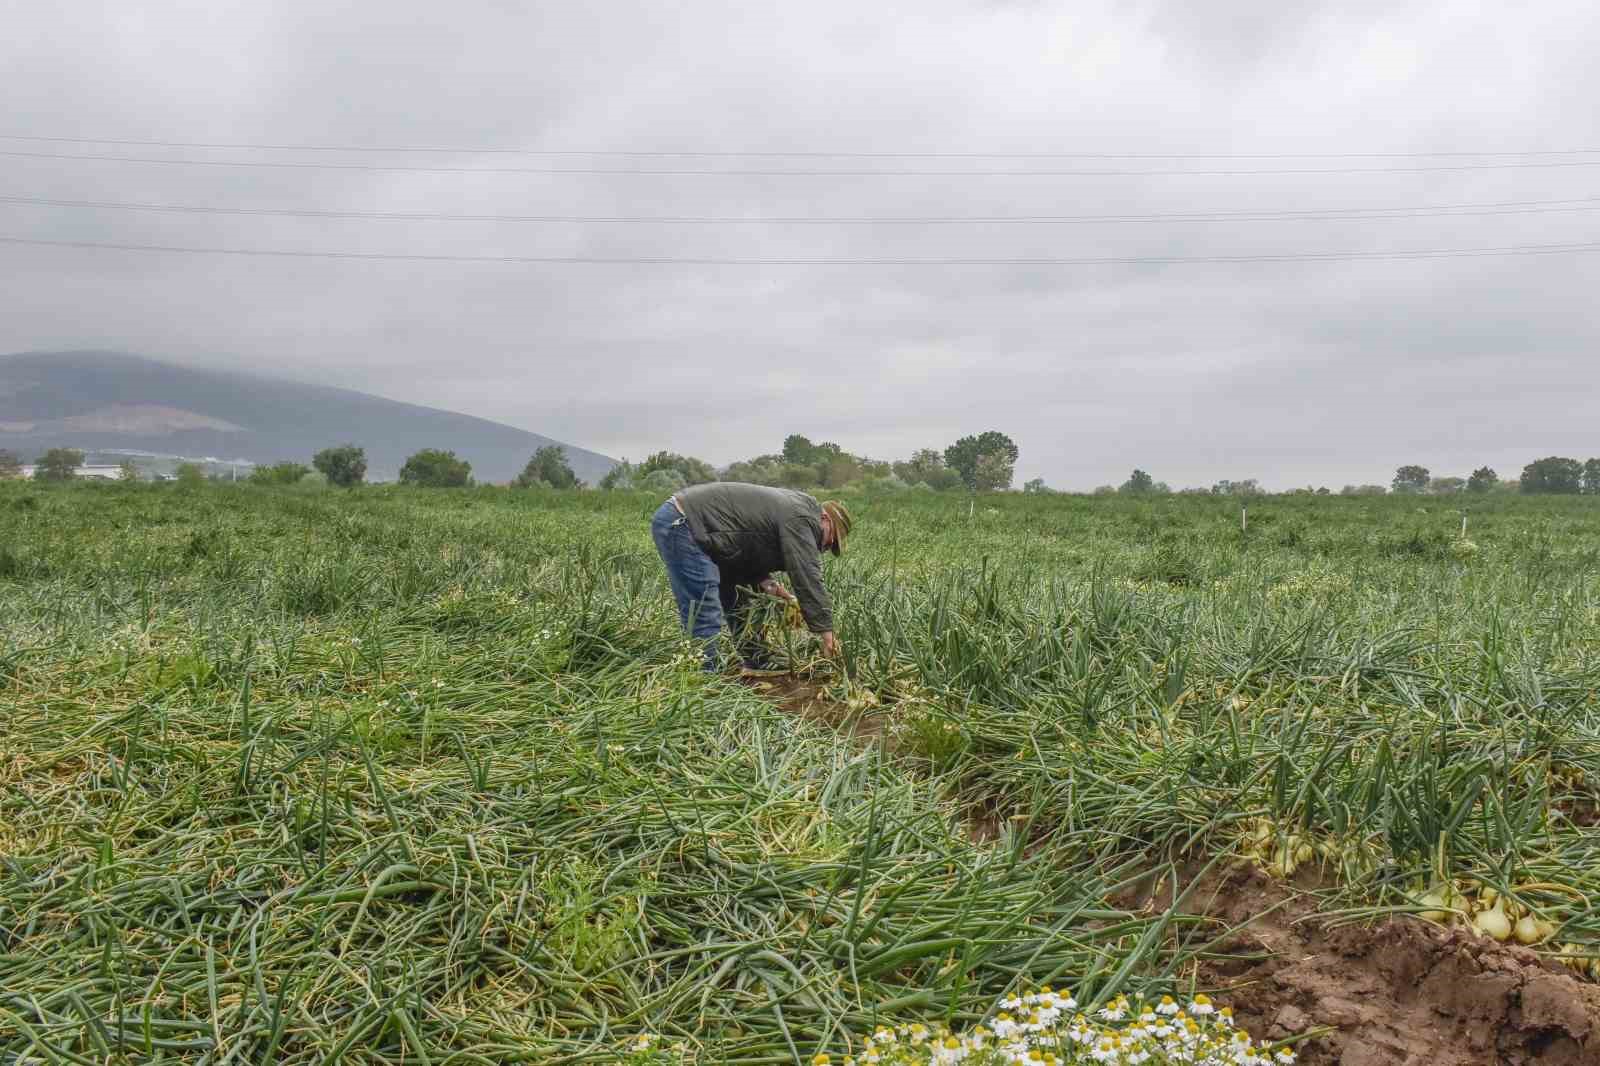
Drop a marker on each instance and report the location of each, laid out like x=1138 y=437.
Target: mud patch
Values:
x=1399 y=992
x=804 y=698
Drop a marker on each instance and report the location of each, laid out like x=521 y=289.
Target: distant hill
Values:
x=108 y=401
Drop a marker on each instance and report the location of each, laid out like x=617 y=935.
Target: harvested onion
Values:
x=1493 y=922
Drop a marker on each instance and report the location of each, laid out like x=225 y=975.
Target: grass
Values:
x=395 y=776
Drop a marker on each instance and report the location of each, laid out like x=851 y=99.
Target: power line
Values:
x=1468 y=210
x=1418 y=253
x=759 y=154
x=794 y=173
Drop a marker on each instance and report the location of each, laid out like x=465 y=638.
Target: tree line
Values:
x=1552 y=475
x=985 y=462
x=346 y=465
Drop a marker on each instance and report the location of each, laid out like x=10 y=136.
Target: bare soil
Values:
x=1402 y=991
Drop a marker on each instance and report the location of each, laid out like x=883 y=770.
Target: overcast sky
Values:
x=1322 y=372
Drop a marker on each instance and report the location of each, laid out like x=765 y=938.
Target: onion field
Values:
x=406 y=776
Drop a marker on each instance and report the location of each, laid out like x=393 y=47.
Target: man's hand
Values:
x=830 y=643
x=773 y=587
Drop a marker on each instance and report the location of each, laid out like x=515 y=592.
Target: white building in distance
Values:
x=103 y=473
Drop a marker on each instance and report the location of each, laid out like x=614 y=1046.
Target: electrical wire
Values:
x=1469 y=210
x=1295 y=257
x=793 y=173
x=761 y=154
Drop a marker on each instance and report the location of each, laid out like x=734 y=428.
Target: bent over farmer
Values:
x=723 y=541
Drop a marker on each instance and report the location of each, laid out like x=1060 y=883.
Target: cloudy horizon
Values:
x=1295 y=371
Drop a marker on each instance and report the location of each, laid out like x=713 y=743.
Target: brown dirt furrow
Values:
x=1398 y=992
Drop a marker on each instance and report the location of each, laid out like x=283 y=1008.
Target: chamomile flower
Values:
x=1114 y=1011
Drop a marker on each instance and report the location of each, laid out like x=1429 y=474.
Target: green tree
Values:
x=344 y=466
x=1482 y=480
x=127 y=471
x=1139 y=483
x=619 y=477
x=924 y=463
x=58 y=464
x=1553 y=474
x=548 y=467
x=663 y=481
x=963 y=455
x=927 y=467
x=1591 y=477
x=799 y=449
x=838 y=471
x=694 y=471
x=1445 y=486
x=994 y=473
x=1247 y=487
x=436 y=469
x=1036 y=486
x=190 y=475
x=1410 y=479
x=762 y=470
x=10 y=466
x=798 y=476
x=279 y=474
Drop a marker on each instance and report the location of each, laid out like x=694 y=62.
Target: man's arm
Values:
x=802 y=561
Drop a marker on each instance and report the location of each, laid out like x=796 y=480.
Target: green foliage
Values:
x=1591 y=477
x=10 y=465
x=693 y=471
x=128 y=471
x=58 y=464
x=993 y=473
x=190 y=475
x=279 y=474
x=1036 y=486
x=963 y=456
x=1172 y=560
x=1483 y=479
x=765 y=470
x=618 y=477
x=1139 y=483
x=1553 y=475
x=799 y=450
x=548 y=469
x=1411 y=478
x=927 y=467
x=662 y=482
x=344 y=466
x=437 y=469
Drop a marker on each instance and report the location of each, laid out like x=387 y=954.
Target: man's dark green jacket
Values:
x=751 y=530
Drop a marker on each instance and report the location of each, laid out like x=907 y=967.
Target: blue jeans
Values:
x=696 y=581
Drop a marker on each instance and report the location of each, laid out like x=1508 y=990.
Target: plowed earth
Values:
x=1399 y=992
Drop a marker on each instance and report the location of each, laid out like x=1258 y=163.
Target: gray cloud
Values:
x=1292 y=372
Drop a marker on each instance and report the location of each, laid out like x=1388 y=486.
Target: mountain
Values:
x=109 y=401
